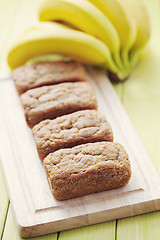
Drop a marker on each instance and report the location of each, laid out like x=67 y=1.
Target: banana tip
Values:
x=115 y=78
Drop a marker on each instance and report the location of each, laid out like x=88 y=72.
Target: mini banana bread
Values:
x=86 y=169
x=49 y=102
x=47 y=73
x=67 y=131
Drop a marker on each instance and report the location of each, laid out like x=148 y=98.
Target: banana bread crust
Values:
x=49 y=102
x=86 y=169
x=47 y=73
x=81 y=127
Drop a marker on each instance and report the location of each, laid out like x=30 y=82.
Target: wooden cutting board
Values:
x=36 y=211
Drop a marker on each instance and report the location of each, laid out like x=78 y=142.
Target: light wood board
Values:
x=36 y=211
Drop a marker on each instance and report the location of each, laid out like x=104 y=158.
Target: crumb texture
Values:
x=71 y=130
x=49 y=102
x=86 y=169
x=47 y=73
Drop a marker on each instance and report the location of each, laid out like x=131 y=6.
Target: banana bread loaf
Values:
x=47 y=73
x=67 y=131
x=86 y=169
x=49 y=102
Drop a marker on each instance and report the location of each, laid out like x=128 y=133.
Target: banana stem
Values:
x=125 y=58
x=118 y=60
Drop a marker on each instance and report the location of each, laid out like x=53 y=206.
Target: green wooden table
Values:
x=140 y=96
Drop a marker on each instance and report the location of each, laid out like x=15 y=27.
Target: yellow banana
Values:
x=54 y=38
x=106 y=33
x=143 y=28
x=118 y=13
x=83 y=15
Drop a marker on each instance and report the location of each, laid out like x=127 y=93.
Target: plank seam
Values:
x=116 y=229
x=5 y=219
x=58 y=233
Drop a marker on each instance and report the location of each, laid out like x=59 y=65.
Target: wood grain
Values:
x=35 y=209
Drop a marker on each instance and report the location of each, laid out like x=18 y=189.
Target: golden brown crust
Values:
x=87 y=169
x=70 y=130
x=49 y=102
x=47 y=73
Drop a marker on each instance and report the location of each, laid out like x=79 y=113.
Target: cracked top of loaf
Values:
x=47 y=73
x=49 y=102
x=71 y=130
x=78 y=161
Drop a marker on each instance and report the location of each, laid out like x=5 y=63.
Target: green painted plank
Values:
x=95 y=232
x=11 y=231
x=144 y=227
x=142 y=101
x=142 y=91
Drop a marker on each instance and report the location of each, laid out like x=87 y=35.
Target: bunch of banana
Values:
x=107 y=33
x=54 y=38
